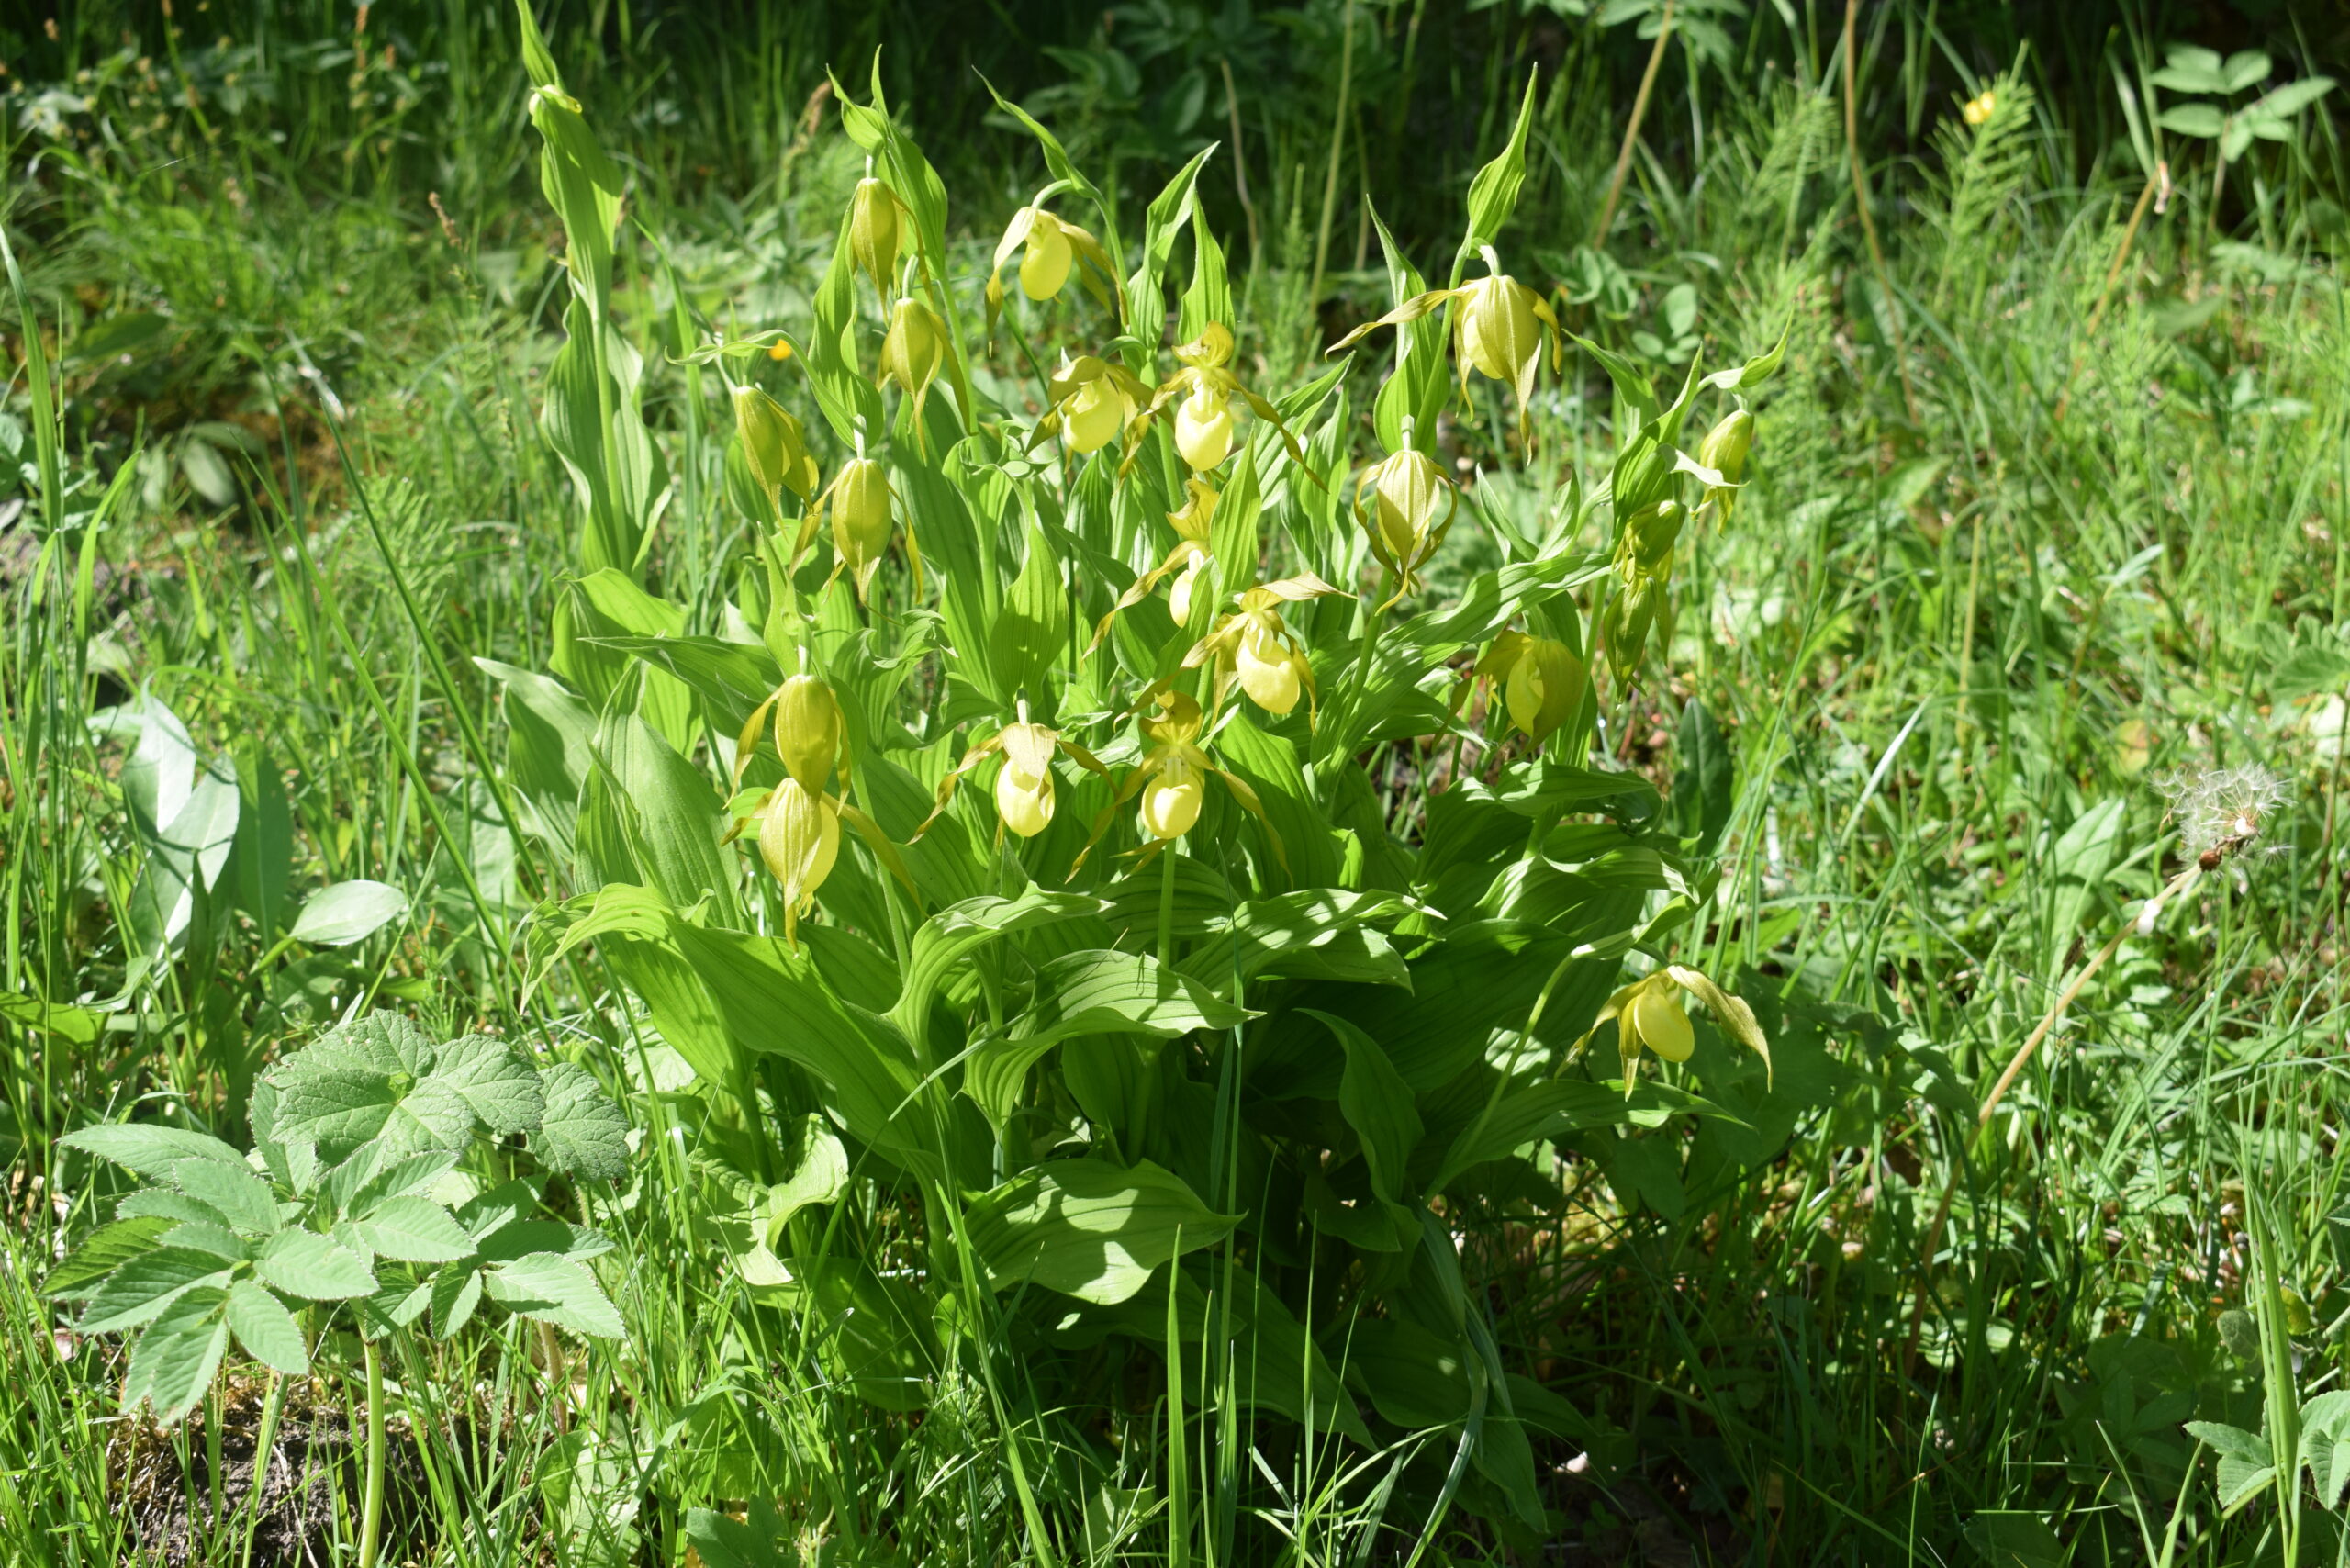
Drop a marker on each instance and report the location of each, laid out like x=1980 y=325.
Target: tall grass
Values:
x=292 y=487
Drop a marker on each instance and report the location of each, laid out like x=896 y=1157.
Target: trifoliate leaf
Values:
x=236 y=1192
x=582 y=1133
x=414 y=1231
x=265 y=1329
x=140 y=1290
x=150 y=1150
x=304 y=1264
x=553 y=1290
x=173 y=1362
x=107 y=1248
x=500 y=1088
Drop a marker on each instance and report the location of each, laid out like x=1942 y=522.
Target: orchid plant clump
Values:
x=1186 y=1032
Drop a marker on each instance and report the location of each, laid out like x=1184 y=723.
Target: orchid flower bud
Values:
x=861 y=518
x=799 y=837
x=808 y=730
x=1203 y=428
x=1541 y=680
x=774 y=446
x=1725 y=447
x=1499 y=334
x=914 y=348
x=873 y=230
x=1410 y=499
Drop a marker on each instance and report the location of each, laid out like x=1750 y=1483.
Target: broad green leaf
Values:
x=78 y=1025
x=553 y=1290
x=1312 y=934
x=582 y=1133
x=413 y=1230
x=168 y=1205
x=456 y=1291
x=1702 y=789
x=173 y=1362
x=144 y=1285
x=726 y=1542
x=948 y=940
x=2293 y=97
x=265 y=1329
x=2081 y=858
x=1414 y=1377
x=346 y=913
x=496 y=1083
x=1492 y=195
x=2009 y=1538
x=313 y=1266
x=819 y=1176
x=2192 y=120
x=1378 y=1105
x=1106 y=992
x=103 y=1252
x=150 y=1150
x=1538 y=1112
x=235 y=1190
x=1088 y=1228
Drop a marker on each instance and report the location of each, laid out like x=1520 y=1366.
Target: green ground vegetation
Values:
x=389 y=577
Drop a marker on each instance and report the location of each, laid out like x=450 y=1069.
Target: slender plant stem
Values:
x=1337 y=148
x=2177 y=887
x=2105 y=294
x=1166 y=907
x=1632 y=131
x=371 y=1519
x=1860 y=201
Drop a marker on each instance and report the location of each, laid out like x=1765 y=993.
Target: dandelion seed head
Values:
x=2224 y=808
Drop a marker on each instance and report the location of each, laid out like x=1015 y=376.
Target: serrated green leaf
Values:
x=501 y=1089
x=103 y=1252
x=553 y=1290
x=341 y=1090
x=141 y=1288
x=150 y=1150
x=412 y=1229
x=235 y=1190
x=164 y=1203
x=581 y=1132
x=265 y=1329
x=313 y=1266
x=199 y=1237
x=498 y=1207
x=173 y=1362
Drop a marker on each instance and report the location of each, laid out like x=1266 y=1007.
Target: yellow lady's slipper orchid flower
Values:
x=1497 y=330
x=1206 y=389
x=1190 y=557
x=1254 y=646
x=1052 y=248
x=1023 y=785
x=799 y=823
x=1172 y=779
x=1092 y=400
x=1539 y=679
x=1648 y=1013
